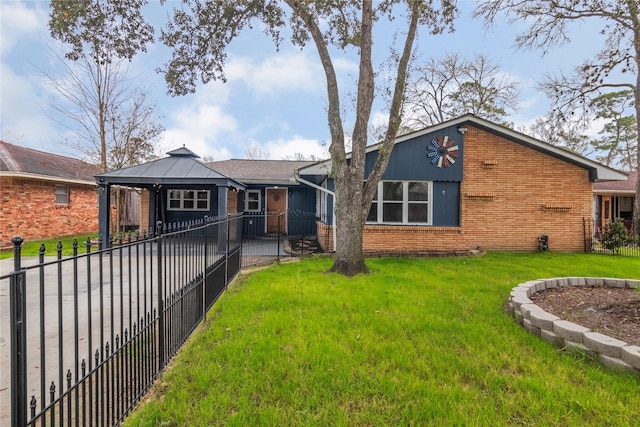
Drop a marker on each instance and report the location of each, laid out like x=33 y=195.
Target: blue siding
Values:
x=301 y=215
x=446 y=204
x=409 y=160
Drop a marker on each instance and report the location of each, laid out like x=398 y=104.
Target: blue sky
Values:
x=273 y=100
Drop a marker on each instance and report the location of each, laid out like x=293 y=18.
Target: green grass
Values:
x=416 y=342
x=32 y=248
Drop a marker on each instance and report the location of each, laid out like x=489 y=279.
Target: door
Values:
x=276 y=210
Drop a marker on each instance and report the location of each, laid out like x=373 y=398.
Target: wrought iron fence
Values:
x=90 y=332
x=616 y=238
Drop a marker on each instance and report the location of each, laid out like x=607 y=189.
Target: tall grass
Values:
x=416 y=342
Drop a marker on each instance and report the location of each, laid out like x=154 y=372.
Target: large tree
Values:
x=616 y=66
x=554 y=129
x=200 y=33
x=447 y=87
x=100 y=34
x=619 y=134
x=111 y=123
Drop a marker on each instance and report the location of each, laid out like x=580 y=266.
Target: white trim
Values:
x=404 y=202
x=25 y=175
x=604 y=173
x=246 y=200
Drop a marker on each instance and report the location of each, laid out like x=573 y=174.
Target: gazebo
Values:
x=178 y=188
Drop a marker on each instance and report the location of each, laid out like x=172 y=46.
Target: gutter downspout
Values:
x=331 y=193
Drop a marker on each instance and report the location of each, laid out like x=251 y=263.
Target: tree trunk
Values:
x=348 y=258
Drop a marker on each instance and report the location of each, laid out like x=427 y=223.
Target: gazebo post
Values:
x=222 y=214
x=104 y=213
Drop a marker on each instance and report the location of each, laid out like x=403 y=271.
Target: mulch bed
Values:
x=614 y=312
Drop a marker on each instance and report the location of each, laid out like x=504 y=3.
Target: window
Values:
x=401 y=202
x=62 y=194
x=188 y=200
x=252 y=201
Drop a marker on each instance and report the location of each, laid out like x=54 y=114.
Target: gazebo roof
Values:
x=181 y=167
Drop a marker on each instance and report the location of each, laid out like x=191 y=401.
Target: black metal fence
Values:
x=616 y=238
x=89 y=333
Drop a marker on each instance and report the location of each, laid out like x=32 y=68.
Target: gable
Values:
x=434 y=156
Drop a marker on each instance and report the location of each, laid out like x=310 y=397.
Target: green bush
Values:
x=614 y=235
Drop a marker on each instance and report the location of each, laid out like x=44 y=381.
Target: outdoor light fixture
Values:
x=462 y=130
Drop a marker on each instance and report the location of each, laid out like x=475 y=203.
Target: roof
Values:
x=180 y=167
x=597 y=171
x=620 y=187
x=26 y=162
x=275 y=172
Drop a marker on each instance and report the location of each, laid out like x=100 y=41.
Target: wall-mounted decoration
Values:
x=549 y=207
x=480 y=196
x=442 y=151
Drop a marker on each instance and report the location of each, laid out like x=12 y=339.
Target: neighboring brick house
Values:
x=614 y=200
x=45 y=195
x=470 y=183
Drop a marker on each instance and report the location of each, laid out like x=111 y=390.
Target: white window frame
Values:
x=61 y=194
x=182 y=199
x=405 y=204
x=247 y=200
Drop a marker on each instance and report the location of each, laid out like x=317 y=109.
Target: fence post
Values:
x=160 y=298
x=226 y=262
x=18 y=356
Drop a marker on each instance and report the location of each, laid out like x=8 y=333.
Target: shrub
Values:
x=614 y=235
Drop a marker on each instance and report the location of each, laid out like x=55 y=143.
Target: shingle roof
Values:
x=261 y=171
x=16 y=159
x=180 y=167
x=628 y=186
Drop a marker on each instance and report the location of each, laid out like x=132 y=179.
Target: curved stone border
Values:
x=611 y=352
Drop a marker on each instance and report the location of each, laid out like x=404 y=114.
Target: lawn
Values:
x=418 y=341
x=32 y=247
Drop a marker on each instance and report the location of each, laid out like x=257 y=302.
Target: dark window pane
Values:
x=392 y=191
x=373 y=213
x=174 y=204
x=418 y=212
x=189 y=195
x=188 y=204
x=392 y=212
x=419 y=191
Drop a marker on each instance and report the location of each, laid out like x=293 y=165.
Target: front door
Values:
x=276 y=210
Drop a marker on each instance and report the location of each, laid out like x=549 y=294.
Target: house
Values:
x=272 y=189
x=45 y=195
x=614 y=199
x=462 y=184
x=469 y=183
x=177 y=188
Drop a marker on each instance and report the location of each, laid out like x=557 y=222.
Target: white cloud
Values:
x=201 y=128
x=17 y=21
x=281 y=148
x=284 y=72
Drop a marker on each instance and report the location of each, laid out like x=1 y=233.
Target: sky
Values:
x=274 y=100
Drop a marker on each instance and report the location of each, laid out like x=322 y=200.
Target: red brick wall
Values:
x=510 y=195
x=28 y=209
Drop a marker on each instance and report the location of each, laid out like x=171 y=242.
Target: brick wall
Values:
x=510 y=195
x=28 y=209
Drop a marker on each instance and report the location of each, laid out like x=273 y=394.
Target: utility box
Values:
x=543 y=242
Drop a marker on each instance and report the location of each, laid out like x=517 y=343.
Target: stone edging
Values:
x=611 y=352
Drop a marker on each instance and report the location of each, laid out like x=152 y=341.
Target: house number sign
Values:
x=442 y=151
